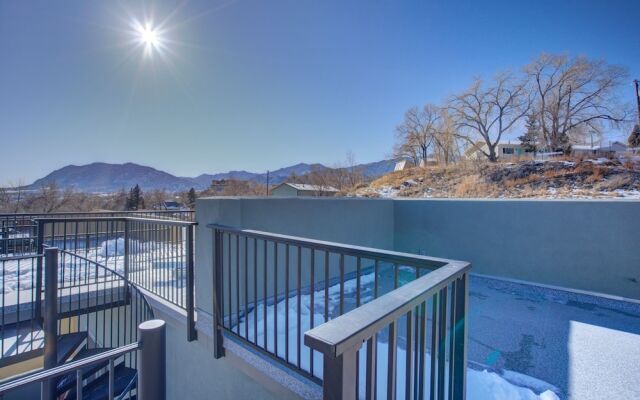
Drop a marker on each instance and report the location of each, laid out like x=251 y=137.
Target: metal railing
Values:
x=18 y=322
x=18 y=232
x=156 y=255
x=270 y=289
x=149 y=381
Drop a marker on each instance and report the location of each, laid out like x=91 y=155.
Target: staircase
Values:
x=89 y=311
x=74 y=346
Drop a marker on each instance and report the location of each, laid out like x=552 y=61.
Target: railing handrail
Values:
x=69 y=367
x=396 y=257
x=126 y=281
x=351 y=329
x=121 y=219
x=99 y=212
x=20 y=257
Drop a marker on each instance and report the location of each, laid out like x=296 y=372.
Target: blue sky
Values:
x=260 y=84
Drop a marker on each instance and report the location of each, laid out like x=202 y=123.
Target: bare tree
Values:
x=416 y=133
x=446 y=149
x=575 y=96
x=486 y=112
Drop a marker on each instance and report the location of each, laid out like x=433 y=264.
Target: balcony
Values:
x=334 y=298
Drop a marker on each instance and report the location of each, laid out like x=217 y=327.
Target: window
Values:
x=507 y=150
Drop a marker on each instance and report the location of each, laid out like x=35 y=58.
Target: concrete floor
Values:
x=587 y=347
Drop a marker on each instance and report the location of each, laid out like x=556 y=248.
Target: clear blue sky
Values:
x=260 y=84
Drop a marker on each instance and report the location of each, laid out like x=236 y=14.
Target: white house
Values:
x=614 y=148
x=287 y=189
x=171 y=205
x=403 y=165
x=504 y=150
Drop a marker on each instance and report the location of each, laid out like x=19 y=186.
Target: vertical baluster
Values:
x=408 y=388
x=435 y=345
x=286 y=302
x=238 y=285
x=255 y=291
x=371 y=368
x=442 y=342
x=341 y=284
x=451 y=334
x=266 y=296
x=312 y=301
x=460 y=332
x=326 y=286
x=376 y=272
x=391 y=365
x=230 y=322
x=275 y=298
x=420 y=365
x=246 y=289
x=298 y=316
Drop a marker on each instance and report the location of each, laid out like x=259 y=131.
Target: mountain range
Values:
x=102 y=177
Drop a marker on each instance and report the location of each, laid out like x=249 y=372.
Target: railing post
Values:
x=460 y=338
x=218 y=350
x=126 y=249
x=38 y=288
x=51 y=318
x=152 y=360
x=339 y=377
x=191 y=324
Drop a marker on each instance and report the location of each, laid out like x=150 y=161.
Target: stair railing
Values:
x=150 y=352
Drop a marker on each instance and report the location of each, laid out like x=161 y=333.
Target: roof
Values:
x=584 y=147
x=310 y=188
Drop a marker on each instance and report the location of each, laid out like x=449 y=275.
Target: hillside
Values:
x=104 y=177
x=558 y=178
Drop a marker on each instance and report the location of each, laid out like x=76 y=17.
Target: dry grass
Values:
x=525 y=179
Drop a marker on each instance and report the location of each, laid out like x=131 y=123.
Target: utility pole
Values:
x=267 y=182
x=637 y=83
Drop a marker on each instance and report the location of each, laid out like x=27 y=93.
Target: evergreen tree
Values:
x=135 y=200
x=531 y=139
x=634 y=137
x=191 y=198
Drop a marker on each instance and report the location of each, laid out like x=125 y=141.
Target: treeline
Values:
x=52 y=198
x=565 y=100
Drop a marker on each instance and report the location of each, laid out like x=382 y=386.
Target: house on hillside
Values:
x=170 y=205
x=287 y=189
x=403 y=165
x=504 y=150
x=613 y=149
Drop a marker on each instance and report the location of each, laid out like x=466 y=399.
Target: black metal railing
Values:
x=19 y=332
x=148 y=383
x=156 y=255
x=18 y=232
x=270 y=289
x=98 y=300
x=415 y=337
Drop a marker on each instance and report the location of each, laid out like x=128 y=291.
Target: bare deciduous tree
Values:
x=486 y=112
x=416 y=134
x=574 y=96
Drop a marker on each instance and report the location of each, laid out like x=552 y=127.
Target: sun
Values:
x=148 y=36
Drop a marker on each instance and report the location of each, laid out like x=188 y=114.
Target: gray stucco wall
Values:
x=579 y=244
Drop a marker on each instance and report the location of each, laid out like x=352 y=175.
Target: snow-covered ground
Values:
x=158 y=267
x=482 y=384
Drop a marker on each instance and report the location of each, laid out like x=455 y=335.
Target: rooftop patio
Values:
x=280 y=299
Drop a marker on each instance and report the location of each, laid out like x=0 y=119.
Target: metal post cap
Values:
x=152 y=324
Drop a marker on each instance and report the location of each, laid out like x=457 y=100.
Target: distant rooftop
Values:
x=312 y=188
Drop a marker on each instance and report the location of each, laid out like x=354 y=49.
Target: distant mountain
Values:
x=103 y=177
